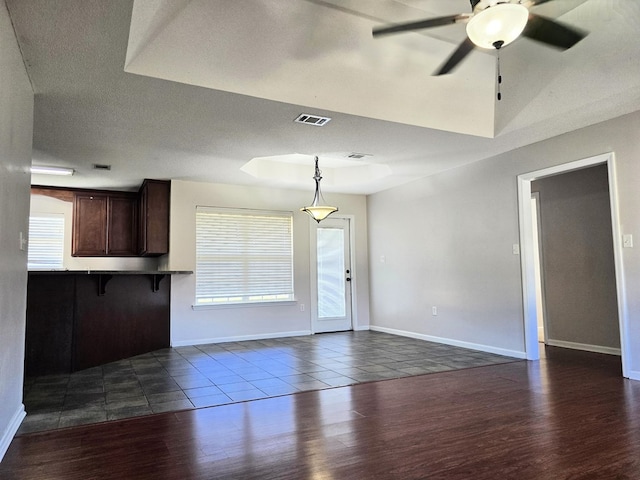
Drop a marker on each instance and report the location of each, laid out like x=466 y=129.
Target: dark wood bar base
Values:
x=81 y=320
x=568 y=416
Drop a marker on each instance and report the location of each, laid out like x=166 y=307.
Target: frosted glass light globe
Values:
x=503 y=22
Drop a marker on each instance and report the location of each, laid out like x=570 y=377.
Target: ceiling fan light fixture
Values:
x=499 y=24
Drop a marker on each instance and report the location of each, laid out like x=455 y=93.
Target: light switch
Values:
x=23 y=242
x=627 y=241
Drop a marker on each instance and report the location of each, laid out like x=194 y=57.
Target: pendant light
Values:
x=317 y=211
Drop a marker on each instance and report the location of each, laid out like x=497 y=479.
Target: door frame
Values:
x=313 y=269
x=535 y=197
x=527 y=259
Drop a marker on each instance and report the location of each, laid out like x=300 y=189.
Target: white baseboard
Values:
x=239 y=338
x=393 y=331
x=11 y=430
x=584 y=346
x=449 y=341
x=633 y=375
x=361 y=328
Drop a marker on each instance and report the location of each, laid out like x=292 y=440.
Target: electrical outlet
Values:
x=434 y=311
x=627 y=241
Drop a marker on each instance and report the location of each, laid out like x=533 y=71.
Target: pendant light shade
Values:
x=317 y=211
x=499 y=25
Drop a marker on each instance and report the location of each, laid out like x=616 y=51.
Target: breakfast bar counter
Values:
x=77 y=319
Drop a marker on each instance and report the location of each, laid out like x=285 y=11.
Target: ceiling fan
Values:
x=494 y=24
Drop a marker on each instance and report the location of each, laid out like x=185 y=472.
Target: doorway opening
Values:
x=533 y=307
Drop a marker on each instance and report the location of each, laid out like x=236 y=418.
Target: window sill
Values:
x=284 y=303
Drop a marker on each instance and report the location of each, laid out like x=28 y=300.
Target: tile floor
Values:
x=215 y=374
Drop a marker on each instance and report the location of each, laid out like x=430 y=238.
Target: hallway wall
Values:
x=577 y=260
x=16 y=123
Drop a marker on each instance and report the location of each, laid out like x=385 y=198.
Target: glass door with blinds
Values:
x=333 y=276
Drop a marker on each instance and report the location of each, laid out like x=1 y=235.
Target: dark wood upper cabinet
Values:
x=121 y=225
x=104 y=225
x=118 y=224
x=153 y=214
x=89 y=225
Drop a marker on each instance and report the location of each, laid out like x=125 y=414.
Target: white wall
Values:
x=189 y=326
x=16 y=121
x=45 y=204
x=447 y=241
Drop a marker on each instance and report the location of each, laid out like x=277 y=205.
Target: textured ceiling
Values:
x=195 y=89
x=314 y=55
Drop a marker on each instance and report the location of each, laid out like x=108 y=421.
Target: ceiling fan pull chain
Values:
x=499 y=75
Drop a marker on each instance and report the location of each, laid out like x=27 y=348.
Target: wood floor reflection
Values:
x=569 y=416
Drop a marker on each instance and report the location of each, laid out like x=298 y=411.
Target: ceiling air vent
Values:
x=97 y=166
x=312 y=120
x=358 y=156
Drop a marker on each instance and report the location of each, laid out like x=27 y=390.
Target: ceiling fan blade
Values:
x=456 y=57
x=551 y=32
x=539 y=2
x=429 y=23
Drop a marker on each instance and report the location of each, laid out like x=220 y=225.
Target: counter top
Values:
x=112 y=272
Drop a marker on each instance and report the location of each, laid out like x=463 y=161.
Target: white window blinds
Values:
x=243 y=256
x=46 y=241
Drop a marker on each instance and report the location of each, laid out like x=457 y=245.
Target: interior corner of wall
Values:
x=11 y=429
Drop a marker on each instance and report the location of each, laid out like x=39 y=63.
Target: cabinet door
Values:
x=121 y=228
x=154 y=217
x=89 y=225
x=143 y=196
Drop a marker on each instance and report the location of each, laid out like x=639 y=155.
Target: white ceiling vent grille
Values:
x=98 y=166
x=314 y=120
x=358 y=156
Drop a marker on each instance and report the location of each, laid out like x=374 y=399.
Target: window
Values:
x=243 y=256
x=46 y=241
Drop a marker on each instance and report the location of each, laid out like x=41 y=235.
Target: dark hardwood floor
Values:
x=569 y=416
